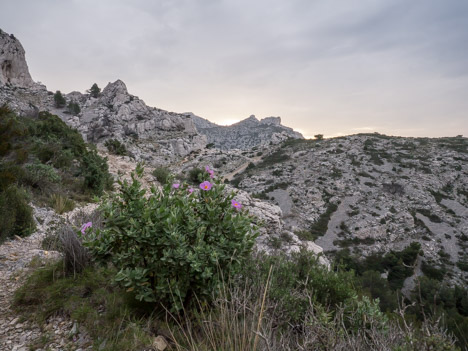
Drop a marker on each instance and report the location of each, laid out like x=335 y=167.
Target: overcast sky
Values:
x=331 y=66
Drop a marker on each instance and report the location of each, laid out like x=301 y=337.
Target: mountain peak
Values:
x=116 y=87
x=13 y=67
x=276 y=121
x=247 y=133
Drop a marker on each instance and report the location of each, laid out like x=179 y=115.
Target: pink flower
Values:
x=190 y=190
x=86 y=226
x=176 y=185
x=236 y=204
x=206 y=185
x=210 y=171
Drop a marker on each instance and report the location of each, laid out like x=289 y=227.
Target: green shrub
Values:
x=50 y=128
x=433 y=272
x=73 y=108
x=115 y=147
x=10 y=130
x=162 y=174
x=54 y=152
x=196 y=175
x=396 y=263
x=45 y=151
x=436 y=298
x=95 y=171
x=15 y=214
x=59 y=100
x=45 y=155
x=378 y=288
x=169 y=247
x=463 y=265
x=296 y=281
x=10 y=173
x=276 y=157
x=41 y=176
x=64 y=159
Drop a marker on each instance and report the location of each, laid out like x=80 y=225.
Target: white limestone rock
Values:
x=14 y=69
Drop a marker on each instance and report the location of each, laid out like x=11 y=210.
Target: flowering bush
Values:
x=174 y=244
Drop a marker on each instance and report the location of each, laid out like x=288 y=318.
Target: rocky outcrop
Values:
x=245 y=134
x=201 y=123
x=117 y=114
x=272 y=236
x=151 y=134
x=13 y=67
x=17 y=89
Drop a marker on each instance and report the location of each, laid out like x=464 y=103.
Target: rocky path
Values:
x=242 y=167
x=17 y=258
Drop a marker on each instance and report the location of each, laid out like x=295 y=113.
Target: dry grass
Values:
x=61 y=203
x=243 y=319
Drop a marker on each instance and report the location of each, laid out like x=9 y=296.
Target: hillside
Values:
x=155 y=224
x=372 y=193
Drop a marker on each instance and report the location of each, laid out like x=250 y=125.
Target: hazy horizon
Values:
x=334 y=68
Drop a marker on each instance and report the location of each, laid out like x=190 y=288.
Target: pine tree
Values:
x=94 y=91
x=59 y=99
x=73 y=108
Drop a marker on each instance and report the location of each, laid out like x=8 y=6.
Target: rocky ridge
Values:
x=375 y=193
x=151 y=134
x=245 y=134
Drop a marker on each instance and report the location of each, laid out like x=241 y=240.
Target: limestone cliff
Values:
x=245 y=134
x=14 y=69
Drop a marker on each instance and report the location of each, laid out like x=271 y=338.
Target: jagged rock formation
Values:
x=17 y=89
x=117 y=114
x=245 y=134
x=14 y=69
x=201 y=123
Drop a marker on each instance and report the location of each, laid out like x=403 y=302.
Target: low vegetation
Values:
x=169 y=246
x=15 y=214
x=432 y=297
x=320 y=226
x=44 y=161
x=178 y=263
x=162 y=174
x=115 y=147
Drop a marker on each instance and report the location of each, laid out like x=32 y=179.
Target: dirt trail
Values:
x=242 y=167
x=19 y=257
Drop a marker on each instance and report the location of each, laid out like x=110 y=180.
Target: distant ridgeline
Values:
x=245 y=134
